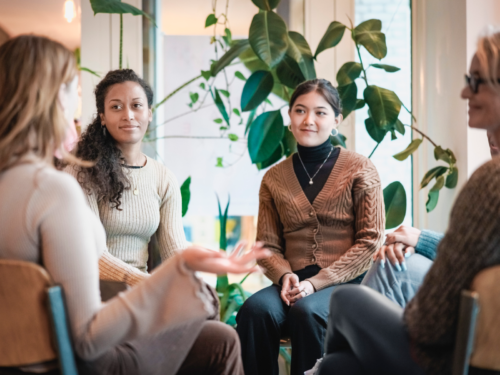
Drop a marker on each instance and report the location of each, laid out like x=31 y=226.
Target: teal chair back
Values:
x=34 y=326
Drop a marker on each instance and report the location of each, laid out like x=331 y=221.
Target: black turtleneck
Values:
x=313 y=157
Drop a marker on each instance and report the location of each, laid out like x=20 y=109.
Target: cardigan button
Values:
x=315 y=230
x=313 y=260
x=314 y=246
x=311 y=213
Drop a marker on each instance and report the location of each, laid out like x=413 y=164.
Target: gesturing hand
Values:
x=288 y=282
x=201 y=259
x=304 y=289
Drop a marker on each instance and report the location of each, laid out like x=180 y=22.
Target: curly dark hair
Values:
x=106 y=179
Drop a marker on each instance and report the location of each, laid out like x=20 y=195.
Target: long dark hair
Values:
x=323 y=87
x=106 y=179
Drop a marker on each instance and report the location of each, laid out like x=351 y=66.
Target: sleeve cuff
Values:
x=428 y=243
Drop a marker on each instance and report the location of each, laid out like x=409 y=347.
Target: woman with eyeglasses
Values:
x=321 y=213
x=369 y=333
x=157 y=327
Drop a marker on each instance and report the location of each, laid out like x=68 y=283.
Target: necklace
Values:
x=140 y=167
x=311 y=178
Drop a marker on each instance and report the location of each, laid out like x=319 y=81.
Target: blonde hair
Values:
x=488 y=54
x=32 y=70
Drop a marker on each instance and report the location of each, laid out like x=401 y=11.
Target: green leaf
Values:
x=332 y=37
x=225 y=93
x=439 y=184
x=83 y=69
x=434 y=194
x=266 y=4
x=387 y=68
x=117 y=7
x=444 y=155
x=228 y=37
x=265 y=135
x=240 y=75
x=222 y=128
x=369 y=35
x=218 y=121
x=300 y=51
x=276 y=156
x=219 y=163
x=238 y=47
x=211 y=20
x=384 y=105
x=348 y=73
x=348 y=95
x=220 y=105
x=360 y=103
x=393 y=135
x=434 y=172
x=202 y=85
x=236 y=111
x=256 y=90
x=266 y=100
x=412 y=147
x=395 y=204
x=376 y=133
x=268 y=37
x=206 y=74
x=194 y=97
x=338 y=140
x=432 y=200
x=399 y=127
x=452 y=178
x=233 y=137
x=289 y=72
x=186 y=195
x=289 y=143
x=250 y=120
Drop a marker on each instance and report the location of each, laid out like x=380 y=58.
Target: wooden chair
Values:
x=33 y=324
x=478 y=335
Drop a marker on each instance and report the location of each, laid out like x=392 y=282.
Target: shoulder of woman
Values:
x=273 y=172
x=166 y=177
x=58 y=183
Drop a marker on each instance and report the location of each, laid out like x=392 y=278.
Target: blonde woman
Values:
x=158 y=327
x=367 y=332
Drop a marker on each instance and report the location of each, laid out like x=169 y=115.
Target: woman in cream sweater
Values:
x=134 y=196
x=322 y=214
x=158 y=327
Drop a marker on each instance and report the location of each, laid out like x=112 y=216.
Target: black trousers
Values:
x=366 y=335
x=264 y=318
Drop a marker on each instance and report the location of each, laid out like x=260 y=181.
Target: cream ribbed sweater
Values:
x=157 y=209
x=45 y=219
x=339 y=232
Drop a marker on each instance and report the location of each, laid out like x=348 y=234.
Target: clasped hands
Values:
x=398 y=245
x=293 y=290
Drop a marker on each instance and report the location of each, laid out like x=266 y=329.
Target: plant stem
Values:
x=361 y=62
x=175 y=91
x=422 y=134
x=121 y=42
x=248 y=274
x=373 y=150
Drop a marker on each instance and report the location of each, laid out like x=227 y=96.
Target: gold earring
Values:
x=290 y=127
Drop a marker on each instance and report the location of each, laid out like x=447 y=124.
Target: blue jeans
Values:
x=398 y=286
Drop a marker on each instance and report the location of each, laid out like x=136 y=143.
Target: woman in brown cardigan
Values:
x=321 y=213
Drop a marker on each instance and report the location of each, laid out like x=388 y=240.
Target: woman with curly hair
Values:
x=134 y=196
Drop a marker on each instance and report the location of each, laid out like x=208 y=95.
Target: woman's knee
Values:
x=258 y=307
x=216 y=334
x=346 y=297
x=301 y=312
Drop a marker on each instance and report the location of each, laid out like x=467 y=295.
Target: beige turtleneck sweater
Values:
x=155 y=210
x=339 y=232
x=45 y=219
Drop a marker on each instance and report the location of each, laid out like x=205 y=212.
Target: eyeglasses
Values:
x=474 y=82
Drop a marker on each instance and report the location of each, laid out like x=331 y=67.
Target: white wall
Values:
x=444 y=36
x=100 y=49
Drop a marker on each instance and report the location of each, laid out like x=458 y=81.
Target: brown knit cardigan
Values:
x=339 y=232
